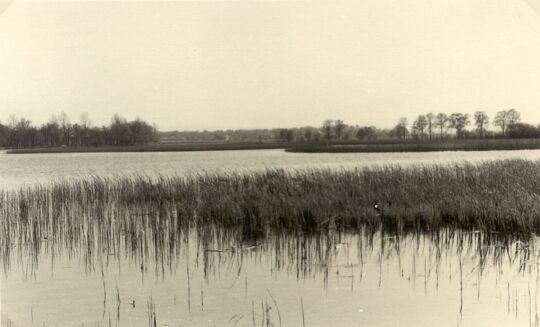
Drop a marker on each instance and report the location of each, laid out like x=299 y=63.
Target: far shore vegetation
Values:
x=311 y=147
x=417 y=146
x=154 y=147
x=429 y=132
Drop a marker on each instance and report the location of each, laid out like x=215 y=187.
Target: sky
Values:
x=265 y=64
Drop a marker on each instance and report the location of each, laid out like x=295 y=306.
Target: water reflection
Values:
x=140 y=274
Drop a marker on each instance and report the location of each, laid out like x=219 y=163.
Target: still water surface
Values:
x=29 y=169
x=360 y=279
x=92 y=276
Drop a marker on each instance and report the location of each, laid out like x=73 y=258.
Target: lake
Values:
x=361 y=279
x=146 y=265
x=30 y=169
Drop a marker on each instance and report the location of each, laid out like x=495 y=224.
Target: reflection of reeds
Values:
x=320 y=255
x=303 y=315
x=6 y=321
x=151 y=312
x=277 y=307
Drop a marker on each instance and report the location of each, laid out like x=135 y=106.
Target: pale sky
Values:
x=256 y=64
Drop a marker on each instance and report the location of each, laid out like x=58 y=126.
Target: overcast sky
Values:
x=254 y=64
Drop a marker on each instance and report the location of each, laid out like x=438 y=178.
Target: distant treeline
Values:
x=19 y=133
x=507 y=123
x=429 y=126
x=59 y=131
x=296 y=134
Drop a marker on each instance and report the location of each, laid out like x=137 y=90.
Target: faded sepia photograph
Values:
x=269 y=163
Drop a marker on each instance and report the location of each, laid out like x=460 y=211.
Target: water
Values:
x=126 y=271
x=357 y=279
x=30 y=169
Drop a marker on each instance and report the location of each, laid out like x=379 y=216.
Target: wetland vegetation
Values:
x=166 y=250
x=420 y=146
x=429 y=132
x=157 y=147
x=269 y=163
x=379 y=146
x=499 y=196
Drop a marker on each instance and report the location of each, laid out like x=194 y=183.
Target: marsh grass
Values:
x=419 y=146
x=144 y=217
x=386 y=145
x=158 y=147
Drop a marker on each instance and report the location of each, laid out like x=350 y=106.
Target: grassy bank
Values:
x=161 y=147
x=334 y=147
x=422 y=146
x=498 y=196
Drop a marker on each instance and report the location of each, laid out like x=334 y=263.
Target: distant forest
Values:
x=59 y=131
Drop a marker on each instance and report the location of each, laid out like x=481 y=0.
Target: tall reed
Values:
x=141 y=213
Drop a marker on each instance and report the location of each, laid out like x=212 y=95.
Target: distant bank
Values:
x=160 y=147
x=423 y=146
x=341 y=147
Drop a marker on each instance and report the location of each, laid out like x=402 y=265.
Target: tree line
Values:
x=507 y=122
x=433 y=126
x=19 y=132
x=59 y=131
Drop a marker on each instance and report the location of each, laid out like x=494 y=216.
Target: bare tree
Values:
x=327 y=128
x=420 y=125
x=52 y=132
x=308 y=135
x=506 y=120
x=481 y=120
x=501 y=121
x=65 y=127
x=513 y=117
x=430 y=120
x=339 y=127
x=366 y=133
x=58 y=131
x=286 y=135
x=86 y=123
x=12 y=121
x=441 y=120
x=400 y=130
x=458 y=121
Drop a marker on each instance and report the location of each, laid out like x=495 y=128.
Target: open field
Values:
x=422 y=146
x=500 y=196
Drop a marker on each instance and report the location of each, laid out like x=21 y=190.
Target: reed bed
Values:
x=157 y=147
x=492 y=196
x=420 y=146
x=141 y=214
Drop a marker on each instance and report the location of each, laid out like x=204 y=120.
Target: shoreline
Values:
x=424 y=146
x=334 y=147
x=152 y=148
